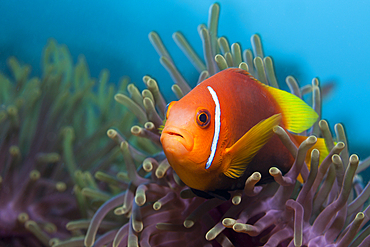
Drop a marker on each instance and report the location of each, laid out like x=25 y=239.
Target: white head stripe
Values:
x=217 y=127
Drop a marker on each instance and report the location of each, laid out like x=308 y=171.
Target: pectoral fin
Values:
x=242 y=152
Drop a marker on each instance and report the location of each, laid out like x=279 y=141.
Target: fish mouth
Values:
x=172 y=136
x=175 y=134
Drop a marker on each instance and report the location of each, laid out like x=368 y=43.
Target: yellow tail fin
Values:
x=320 y=145
x=297 y=115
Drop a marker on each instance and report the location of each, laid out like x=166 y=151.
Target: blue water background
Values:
x=307 y=39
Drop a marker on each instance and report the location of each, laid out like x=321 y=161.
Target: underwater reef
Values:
x=51 y=130
x=329 y=209
x=136 y=199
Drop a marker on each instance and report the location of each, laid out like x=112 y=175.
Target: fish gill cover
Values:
x=149 y=205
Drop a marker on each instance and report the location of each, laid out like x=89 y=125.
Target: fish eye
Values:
x=203 y=118
x=168 y=108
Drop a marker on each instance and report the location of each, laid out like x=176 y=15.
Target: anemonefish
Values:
x=221 y=132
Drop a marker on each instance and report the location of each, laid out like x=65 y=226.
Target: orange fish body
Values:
x=221 y=132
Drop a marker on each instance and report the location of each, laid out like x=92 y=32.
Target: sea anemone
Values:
x=50 y=129
x=157 y=209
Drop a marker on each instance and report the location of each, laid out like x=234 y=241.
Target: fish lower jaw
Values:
x=175 y=136
x=176 y=143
